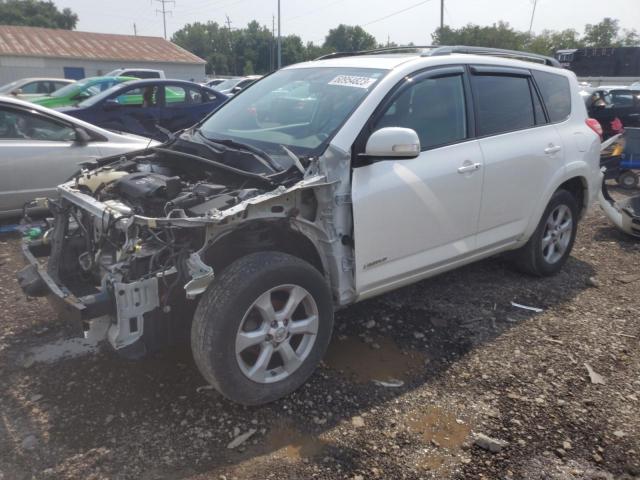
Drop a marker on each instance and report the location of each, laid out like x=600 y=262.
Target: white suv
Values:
x=323 y=184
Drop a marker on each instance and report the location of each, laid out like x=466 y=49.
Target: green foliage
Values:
x=34 y=13
x=345 y=38
x=501 y=35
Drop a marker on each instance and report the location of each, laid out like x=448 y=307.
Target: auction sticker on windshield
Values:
x=353 y=81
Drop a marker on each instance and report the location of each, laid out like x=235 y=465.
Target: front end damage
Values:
x=141 y=237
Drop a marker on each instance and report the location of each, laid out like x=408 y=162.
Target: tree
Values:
x=630 y=38
x=36 y=13
x=498 y=35
x=549 y=42
x=603 y=34
x=345 y=38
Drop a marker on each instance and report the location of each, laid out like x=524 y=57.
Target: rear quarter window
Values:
x=556 y=94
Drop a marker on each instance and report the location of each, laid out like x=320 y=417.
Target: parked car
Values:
x=234 y=86
x=140 y=73
x=149 y=107
x=250 y=236
x=213 y=82
x=75 y=93
x=614 y=107
x=27 y=88
x=41 y=148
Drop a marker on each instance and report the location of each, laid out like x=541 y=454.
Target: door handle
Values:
x=552 y=149
x=469 y=167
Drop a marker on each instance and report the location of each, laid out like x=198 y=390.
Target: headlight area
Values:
x=148 y=272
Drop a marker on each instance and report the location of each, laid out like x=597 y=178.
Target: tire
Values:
x=233 y=327
x=628 y=180
x=546 y=252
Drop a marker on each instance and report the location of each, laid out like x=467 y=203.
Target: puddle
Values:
x=71 y=347
x=364 y=363
x=438 y=427
x=285 y=441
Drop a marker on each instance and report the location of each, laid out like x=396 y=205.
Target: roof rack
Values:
x=436 y=50
x=376 y=51
x=494 y=52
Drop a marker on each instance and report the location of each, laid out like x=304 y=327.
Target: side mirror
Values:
x=82 y=136
x=17 y=92
x=111 y=104
x=394 y=142
x=235 y=90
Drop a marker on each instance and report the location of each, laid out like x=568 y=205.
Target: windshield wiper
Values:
x=259 y=154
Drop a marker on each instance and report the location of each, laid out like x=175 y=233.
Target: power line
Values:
x=164 y=12
x=396 y=13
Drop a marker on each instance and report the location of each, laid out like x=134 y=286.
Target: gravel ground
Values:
x=456 y=360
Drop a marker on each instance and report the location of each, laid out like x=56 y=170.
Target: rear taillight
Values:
x=594 y=125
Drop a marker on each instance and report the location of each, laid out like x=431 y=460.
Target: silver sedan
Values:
x=41 y=148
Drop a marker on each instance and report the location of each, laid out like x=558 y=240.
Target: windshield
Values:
x=100 y=96
x=71 y=88
x=227 y=84
x=300 y=108
x=9 y=86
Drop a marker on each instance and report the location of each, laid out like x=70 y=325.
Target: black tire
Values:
x=223 y=307
x=628 y=180
x=530 y=258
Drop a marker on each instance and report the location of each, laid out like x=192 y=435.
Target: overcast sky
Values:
x=311 y=19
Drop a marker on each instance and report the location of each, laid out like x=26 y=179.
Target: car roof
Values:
x=43 y=79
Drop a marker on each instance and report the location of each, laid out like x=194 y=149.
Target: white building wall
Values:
x=14 y=68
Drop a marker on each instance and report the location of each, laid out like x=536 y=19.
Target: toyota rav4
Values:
x=321 y=185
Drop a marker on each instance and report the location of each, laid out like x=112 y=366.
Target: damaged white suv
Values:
x=321 y=185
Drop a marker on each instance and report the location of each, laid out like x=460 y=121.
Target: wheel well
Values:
x=577 y=186
x=259 y=237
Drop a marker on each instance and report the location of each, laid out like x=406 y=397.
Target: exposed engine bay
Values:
x=139 y=237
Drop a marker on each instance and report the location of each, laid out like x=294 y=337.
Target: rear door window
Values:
x=556 y=94
x=179 y=96
x=622 y=98
x=503 y=103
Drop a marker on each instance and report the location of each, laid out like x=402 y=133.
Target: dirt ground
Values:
x=409 y=382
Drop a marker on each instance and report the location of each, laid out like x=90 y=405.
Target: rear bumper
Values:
x=36 y=281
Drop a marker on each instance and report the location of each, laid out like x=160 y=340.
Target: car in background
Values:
x=40 y=148
x=77 y=92
x=614 y=107
x=233 y=86
x=141 y=73
x=214 y=82
x=152 y=108
x=27 y=88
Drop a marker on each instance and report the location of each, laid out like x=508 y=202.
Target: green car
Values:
x=75 y=93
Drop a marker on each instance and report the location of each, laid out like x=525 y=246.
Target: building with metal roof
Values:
x=47 y=52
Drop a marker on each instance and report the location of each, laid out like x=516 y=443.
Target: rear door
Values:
x=37 y=153
x=522 y=151
x=412 y=216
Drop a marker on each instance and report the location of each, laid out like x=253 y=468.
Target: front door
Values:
x=414 y=216
x=37 y=154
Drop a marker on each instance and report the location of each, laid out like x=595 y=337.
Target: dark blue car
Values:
x=149 y=107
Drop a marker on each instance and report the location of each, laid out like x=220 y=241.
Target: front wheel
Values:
x=550 y=245
x=262 y=327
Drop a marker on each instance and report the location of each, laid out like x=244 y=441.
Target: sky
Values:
x=312 y=19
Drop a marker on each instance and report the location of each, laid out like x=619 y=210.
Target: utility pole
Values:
x=164 y=12
x=228 y=22
x=135 y=30
x=535 y=2
x=279 y=39
x=272 y=43
x=441 y=14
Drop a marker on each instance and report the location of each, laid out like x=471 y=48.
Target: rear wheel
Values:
x=262 y=327
x=550 y=245
x=628 y=179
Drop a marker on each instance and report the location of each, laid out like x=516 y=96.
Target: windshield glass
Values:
x=300 y=108
x=71 y=89
x=227 y=84
x=9 y=86
x=100 y=96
